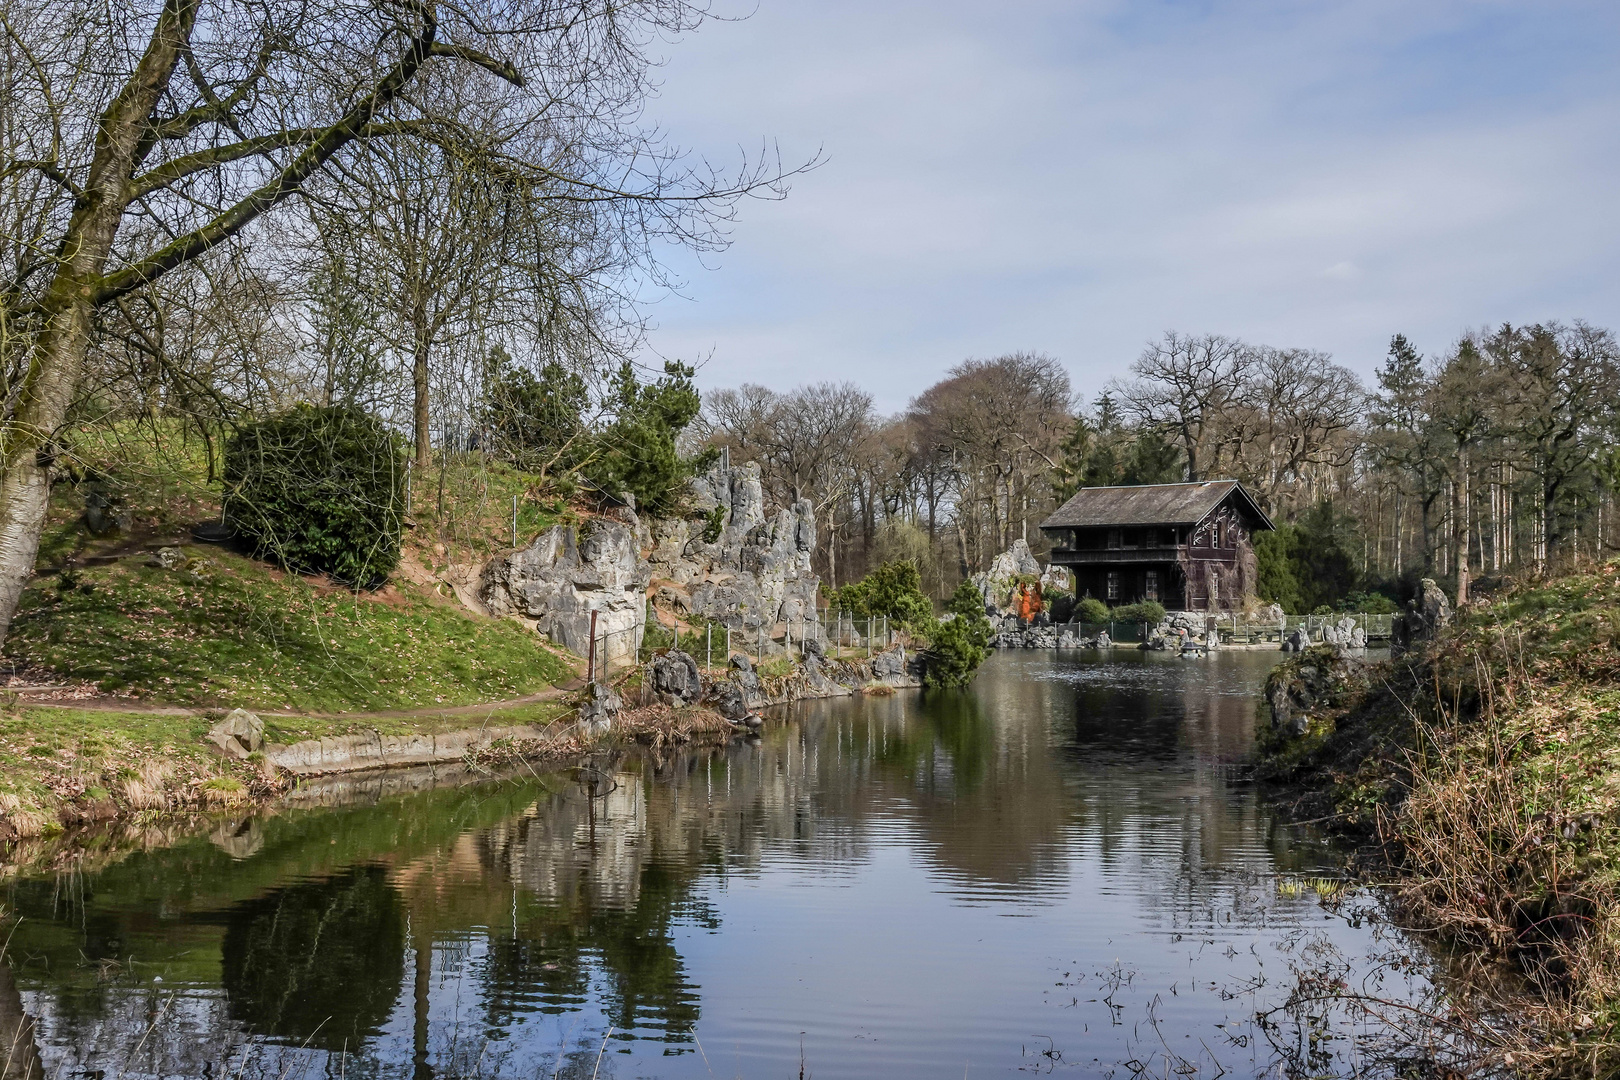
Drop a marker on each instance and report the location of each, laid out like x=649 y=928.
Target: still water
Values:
x=1060 y=870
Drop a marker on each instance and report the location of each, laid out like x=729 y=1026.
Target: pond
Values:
x=1060 y=870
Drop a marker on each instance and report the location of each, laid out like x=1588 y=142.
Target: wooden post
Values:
x=708 y=647
x=514 y=525
x=591 y=662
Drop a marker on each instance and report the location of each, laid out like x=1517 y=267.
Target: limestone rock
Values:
x=564 y=576
x=1296 y=640
x=995 y=584
x=167 y=558
x=1425 y=615
x=675 y=678
x=1104 y=641
x=757 y=572
x=600 y=707
x=890 y=664
x=241 y=733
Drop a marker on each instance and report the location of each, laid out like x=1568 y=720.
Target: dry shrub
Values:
x=1505 y=842
x=148 y=788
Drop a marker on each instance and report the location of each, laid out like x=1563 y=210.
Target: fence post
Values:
x=708 y=647
x=514 y=521
x=728 y=645
x=869 y=637
x=408 y=463
x=591 y=662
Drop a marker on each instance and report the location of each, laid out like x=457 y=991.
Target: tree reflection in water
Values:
x=504 y=928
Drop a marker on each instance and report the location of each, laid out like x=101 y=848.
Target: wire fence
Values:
x=842 y=635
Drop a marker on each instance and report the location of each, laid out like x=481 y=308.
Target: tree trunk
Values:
x=419 y=386
x=1460 y=522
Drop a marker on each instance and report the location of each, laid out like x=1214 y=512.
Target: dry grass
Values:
x=1489 y=770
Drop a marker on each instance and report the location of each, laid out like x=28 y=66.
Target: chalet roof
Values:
x=1150 y=504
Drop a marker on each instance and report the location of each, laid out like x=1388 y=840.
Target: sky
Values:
x=1077 y=178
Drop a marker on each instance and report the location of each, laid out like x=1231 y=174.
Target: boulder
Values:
x=167 y=558
x=1321 y=679
x=241 y=733
x=1104 y=641
x=1425 y=615
x=890 y=664
x=1296 y=640
x=564 y=576
x=599 y=708
x=675 y=678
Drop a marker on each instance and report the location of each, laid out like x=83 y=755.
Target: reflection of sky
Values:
x=910 y=885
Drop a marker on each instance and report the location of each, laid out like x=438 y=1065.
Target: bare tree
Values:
x=196 y=120
x=1183 y=386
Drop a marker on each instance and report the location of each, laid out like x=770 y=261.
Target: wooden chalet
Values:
x=1188 y=546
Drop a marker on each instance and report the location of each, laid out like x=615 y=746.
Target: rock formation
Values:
x=1425 y=615
x=754 y=573
x=565 y=575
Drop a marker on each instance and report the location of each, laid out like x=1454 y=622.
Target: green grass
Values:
x=225 y=631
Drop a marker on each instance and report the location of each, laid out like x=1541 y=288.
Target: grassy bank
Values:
x=164 y=651
x=1487 y=773
x=227 y=631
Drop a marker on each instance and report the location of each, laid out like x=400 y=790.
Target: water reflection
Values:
x=843 y=882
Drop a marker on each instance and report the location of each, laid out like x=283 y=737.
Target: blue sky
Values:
x=1075 y=178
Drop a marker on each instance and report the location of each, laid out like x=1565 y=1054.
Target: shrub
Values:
x=319 y=490
x=958 y=645
x=1091 y=610
x=894 y=590
x=1370 y=603
x=1148 y=611
x=637 y=452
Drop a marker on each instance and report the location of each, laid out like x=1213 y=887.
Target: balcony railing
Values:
x=1166 y=552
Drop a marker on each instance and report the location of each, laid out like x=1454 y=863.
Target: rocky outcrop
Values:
x=567 y=574
x=1345 y=634
x=1425 y=615
x=996 y=583
x=752 y=571
x=1319 y=679
x=675 y=678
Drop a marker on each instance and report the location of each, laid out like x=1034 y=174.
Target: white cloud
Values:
x=1077 y=178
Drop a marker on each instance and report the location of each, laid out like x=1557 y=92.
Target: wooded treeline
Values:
x=1501 y=452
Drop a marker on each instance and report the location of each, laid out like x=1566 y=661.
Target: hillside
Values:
x=1487 y=769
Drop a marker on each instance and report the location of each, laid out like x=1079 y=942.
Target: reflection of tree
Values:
x=317 y=962
x=19 y=1052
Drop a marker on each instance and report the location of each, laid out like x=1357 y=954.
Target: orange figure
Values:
x=1029 y=601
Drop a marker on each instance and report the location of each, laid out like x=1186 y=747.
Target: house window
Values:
x=1113 y=538
x=1150 y=587
x=1113 y=585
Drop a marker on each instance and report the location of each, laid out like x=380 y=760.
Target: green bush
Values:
x=1370 y=603
x=894 y=590
x=319 y=490
x=1148 y=611
x=637 y=452
x=957 y=646
x=1091 y=610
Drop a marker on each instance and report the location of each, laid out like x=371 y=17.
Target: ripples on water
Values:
x=1059 y=871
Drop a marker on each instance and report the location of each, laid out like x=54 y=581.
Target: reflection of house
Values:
x=1187 y=546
